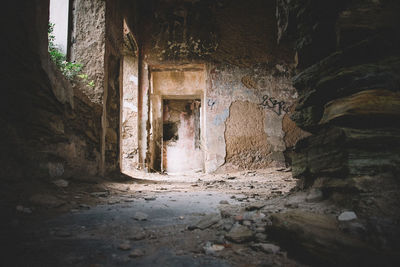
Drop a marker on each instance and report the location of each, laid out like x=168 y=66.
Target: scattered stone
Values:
x=227 y=226
x=267 y=248
x=61 y=183
x=211 y=249
x=150 y=198
x=291 y=205
x=124 y=246
x=239 y=218
x=179 y=252
x=260 y=229
x=23 y=209
x=241 y=197
x=140 y=216
x=136 y=253
x=113 y=201
x=206 y=222
x=225 y=212
x=315 y=195
x=84 y=206
x=255 y=206
x=260 y=237
x=139 y=235
x=46 y=201
x=347 y=216
x=247 y=223
x=100 y=194
x=224 y=202
x=239 y=234
x=231 y=177
x=253 y=216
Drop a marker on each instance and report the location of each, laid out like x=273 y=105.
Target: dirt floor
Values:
x=152 y=220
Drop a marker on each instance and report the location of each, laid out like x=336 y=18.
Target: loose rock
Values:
x=139 y=235
x=136 y=253
x=347 y=216
x=315 y=195
x=255 y=206
x=239 y=234
x=206 y=222
x=124 y=246
x=61 y=183
x=23 y=209
x=140 y=216
x=100 y=194
x=211 y=249
x=267 y=248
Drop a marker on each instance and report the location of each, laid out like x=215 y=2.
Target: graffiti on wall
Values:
x=211 y=103
x=274 y=105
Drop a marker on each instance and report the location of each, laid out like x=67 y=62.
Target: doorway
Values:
x=181 y=148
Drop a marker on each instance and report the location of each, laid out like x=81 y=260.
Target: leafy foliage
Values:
x=69 y=69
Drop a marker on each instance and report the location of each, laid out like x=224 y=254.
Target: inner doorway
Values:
x=181 y=148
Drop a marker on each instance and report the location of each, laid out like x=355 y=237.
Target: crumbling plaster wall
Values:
x=237 y=44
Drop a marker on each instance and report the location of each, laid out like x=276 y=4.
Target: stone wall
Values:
x=43 y=134
x=348 y=85
x=88 y=44
x=245 y=70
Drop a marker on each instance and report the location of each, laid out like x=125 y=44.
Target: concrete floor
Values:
x=104 y=224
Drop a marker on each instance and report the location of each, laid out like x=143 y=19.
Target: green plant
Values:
x=91 y=83
x=69 y=69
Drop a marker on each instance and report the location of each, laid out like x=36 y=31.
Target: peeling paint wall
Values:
x=246 y=73
x=268 y=92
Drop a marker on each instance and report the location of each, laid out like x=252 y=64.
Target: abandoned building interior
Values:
x=200 y=133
